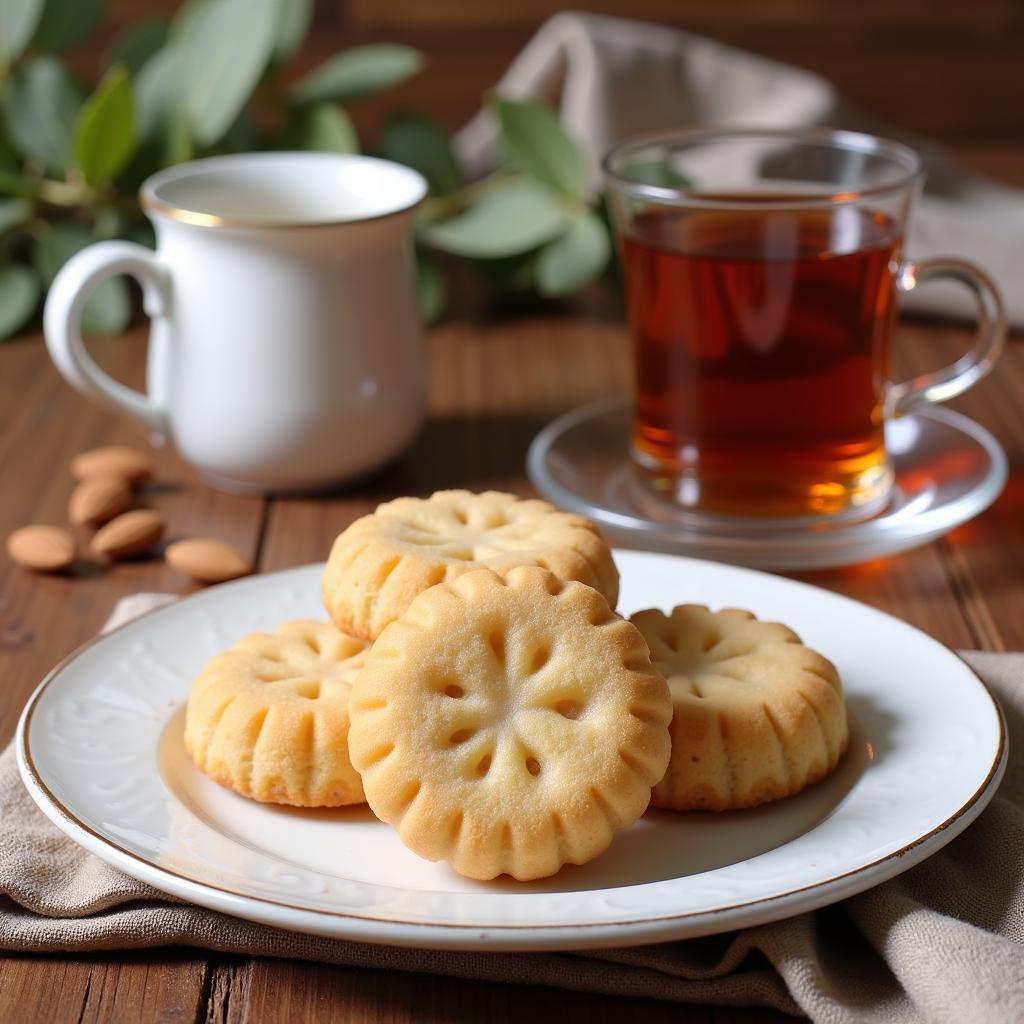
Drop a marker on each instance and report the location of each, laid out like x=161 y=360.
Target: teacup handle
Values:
x=952 y=380
x=62 y=325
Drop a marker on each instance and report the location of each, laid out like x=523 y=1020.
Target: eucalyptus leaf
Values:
x=105 y=135
x=19 y=296
x=156 y=92
x=430 y=289
x=421 y=144
x=654 y=172
x=109 y=307
x=226 y=45
x=360 y=71
x=8 y=158
x=65 y=23
x=293 y=21
x=504 y=222
x=18 y=20
x=14 y=212
x=322 y=127
x=575 y=258
x=140 y=232
x=17 y=185
x=137 y=44
x=40 y=105
x=178 y=141
x=188 y=15
x=535 y=140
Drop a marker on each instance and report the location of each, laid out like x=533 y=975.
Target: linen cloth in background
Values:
x=613 y=79
x=943 y=942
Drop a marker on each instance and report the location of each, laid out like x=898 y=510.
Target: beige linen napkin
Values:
x=613 y=79
x=942 y=942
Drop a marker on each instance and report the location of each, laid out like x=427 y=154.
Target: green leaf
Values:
x=18 y=20
x=226 y=45
x=535 y=140
x=188 y=14
x=421 y=144
x=156 y=92
x=141 y=233
x=178 y=143
x=41 y=105
x=323 y=127
x=292 y=25
x=504 y=222
x=14 y=183
x=105 y=136
x=360 y=71
x=195 y=86
x=575 y=257
x=14 y=212
x=65 y=23
x=19 y=296
x=655 y=172
x=137 y=44
x=430 y=289
x=56 y=243
x=8 y=158
x=109 y=307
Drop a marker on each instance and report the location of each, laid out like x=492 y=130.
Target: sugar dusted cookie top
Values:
x=381 y=562
x=269 y=717
x=757 y=715
x=509 y=725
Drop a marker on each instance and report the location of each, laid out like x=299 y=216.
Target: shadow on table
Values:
x=477 y=451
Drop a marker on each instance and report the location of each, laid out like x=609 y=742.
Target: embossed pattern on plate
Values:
x=101 y=750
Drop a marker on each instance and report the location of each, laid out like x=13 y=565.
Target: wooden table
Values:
x=495 y=383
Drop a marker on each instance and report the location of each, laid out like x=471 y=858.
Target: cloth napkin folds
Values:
x=942 y=942
x=613 y=79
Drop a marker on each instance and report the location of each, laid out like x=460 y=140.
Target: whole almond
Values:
x=113 y=460
x=43 y=548
x=129 y=534
x=206 y=560
x=98 y=499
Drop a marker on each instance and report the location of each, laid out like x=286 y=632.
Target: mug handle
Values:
x=944 y=384
x=62 y=326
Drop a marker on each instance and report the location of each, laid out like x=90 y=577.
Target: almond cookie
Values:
x=382 y=561
x=757 y=715
x=509 y=724
x=269 y=717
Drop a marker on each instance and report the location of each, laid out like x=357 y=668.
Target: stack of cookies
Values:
x=479 y=691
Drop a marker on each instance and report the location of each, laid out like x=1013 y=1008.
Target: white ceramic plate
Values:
x=100 y=748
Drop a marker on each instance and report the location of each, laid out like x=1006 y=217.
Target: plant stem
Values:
x=65 y=193
x=442 y=207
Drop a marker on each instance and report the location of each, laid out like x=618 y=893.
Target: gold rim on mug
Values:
x=152 y=203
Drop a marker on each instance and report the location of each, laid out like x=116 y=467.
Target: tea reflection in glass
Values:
x=761 y=343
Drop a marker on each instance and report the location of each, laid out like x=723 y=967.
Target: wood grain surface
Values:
x=947 y=68
x=494 y=383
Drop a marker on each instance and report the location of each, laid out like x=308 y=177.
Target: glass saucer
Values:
x=948 y=469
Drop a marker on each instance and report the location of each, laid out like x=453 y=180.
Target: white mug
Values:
x=285 y=349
